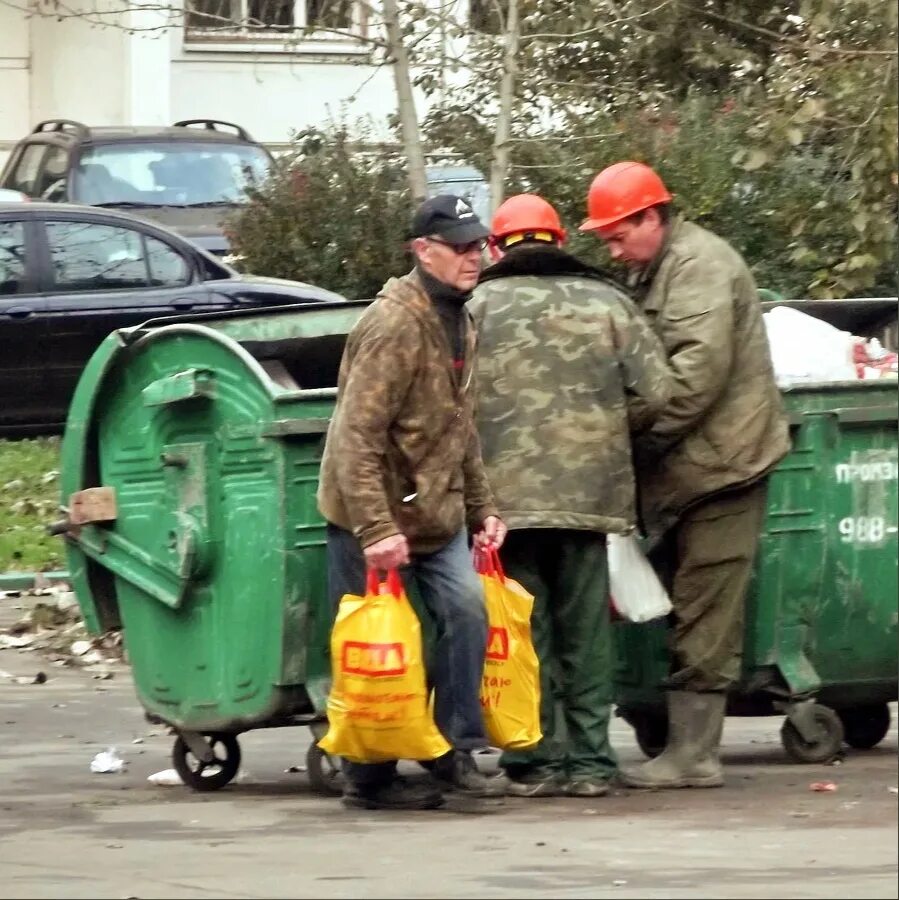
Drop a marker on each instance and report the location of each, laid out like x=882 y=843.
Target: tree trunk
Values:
x=499 y=166
x=405 y=102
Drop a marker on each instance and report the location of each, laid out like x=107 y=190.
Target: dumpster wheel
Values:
x=207 y=776
x=323 y=770
x=865 y=726
x=825 y=745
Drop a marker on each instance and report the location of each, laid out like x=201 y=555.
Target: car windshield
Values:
x=168 y=174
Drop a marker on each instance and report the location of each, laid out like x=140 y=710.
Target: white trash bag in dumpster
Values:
x=806 y=349
x=636 y=591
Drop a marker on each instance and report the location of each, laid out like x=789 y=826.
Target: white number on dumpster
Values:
x=863 y=530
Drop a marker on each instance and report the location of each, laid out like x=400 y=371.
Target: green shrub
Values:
x=332 y=214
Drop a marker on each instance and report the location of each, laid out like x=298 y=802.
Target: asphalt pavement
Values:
x=67 y=832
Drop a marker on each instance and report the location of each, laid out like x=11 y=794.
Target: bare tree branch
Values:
x=783 y=39
x=408 y=116
x=499 y=165
x=875 y=109
x=599 y=29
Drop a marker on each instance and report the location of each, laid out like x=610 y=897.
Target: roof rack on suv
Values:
x=210 y=125
x=62 y=125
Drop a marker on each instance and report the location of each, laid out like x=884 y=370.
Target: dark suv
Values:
x=189 y=176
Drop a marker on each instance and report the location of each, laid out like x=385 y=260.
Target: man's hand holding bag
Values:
x=510 y=690
x=378 y=704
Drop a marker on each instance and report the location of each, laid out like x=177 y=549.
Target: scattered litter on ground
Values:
x=893 y=790
x=138 y=740
x=107 y=762
x=53 y=626
x=620 y=882
x=165 y=778
x=39 y=678
x=822 y=786
x=16 y=641
x=801 y=815
x=293 y=769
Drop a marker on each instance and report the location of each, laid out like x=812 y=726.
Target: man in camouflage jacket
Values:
x=702 y=468
x=567 y=369
x=402 y=480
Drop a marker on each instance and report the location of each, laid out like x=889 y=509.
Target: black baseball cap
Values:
x=448 y=217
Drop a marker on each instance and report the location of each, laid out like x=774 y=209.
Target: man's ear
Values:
x=493 y=249
x=652 y=215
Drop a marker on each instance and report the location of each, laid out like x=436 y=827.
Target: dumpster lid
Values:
x=859 y=316
x=268 y=322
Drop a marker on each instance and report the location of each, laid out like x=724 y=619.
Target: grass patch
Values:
x=29 y=501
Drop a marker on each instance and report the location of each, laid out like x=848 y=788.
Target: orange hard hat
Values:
x=526 y=214
x=620 y=191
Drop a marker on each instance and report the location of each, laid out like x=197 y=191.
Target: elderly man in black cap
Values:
x=403 y=484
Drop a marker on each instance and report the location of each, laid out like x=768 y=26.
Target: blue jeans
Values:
x=451 y=592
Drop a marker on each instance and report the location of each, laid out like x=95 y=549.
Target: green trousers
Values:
x=567 y=573
x=706 y=562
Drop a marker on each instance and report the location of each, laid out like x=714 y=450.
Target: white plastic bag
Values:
x=636 y=591
x=107 y=762
x=806 y=349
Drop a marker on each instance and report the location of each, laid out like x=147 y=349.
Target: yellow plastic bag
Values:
x=510 y=690
x=378 y=705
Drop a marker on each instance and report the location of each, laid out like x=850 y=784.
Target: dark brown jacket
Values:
x=402 y=454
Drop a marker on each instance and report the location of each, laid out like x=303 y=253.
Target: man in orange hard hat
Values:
x=567 y=368
x=702 y=467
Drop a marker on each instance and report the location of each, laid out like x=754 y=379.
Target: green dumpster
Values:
x=189 y=471
x=821 y=639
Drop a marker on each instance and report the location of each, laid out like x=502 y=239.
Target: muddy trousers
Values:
x=567 y=573
x=706 y=562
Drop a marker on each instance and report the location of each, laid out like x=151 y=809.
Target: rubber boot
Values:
x=695 y=723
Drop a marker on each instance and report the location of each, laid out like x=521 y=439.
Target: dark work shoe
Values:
x=464 y=777
x=397 y=794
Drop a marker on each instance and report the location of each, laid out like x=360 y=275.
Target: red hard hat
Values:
x=526 y=213
x=620 y=191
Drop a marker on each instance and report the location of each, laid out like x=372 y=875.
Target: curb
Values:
x=24 y=581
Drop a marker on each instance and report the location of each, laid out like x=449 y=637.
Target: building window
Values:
x=256 y=19
x=487 y=16
x=330 y=14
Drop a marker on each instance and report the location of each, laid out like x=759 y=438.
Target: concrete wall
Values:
x=273 y=96
x=76 y=70
x=15 y=80
x=107 y=76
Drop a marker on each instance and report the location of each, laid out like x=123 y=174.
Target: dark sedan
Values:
x=71 y=274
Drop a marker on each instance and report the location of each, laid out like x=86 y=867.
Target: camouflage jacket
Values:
x=724 y=426
x=402 y=454
x=567 y=368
